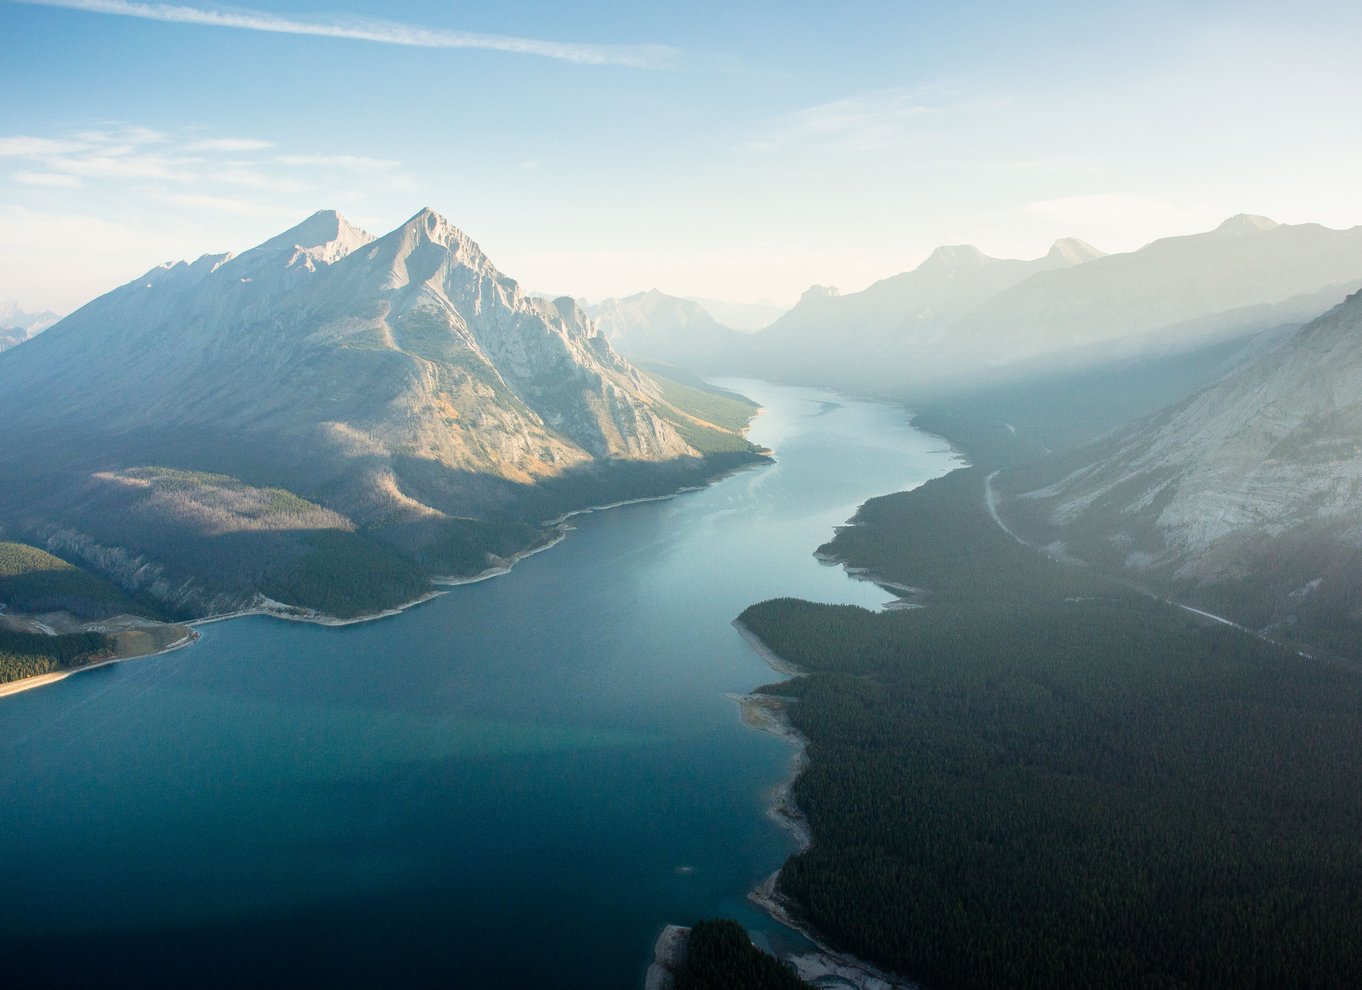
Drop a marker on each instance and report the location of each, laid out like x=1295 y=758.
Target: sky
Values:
x=738 y=151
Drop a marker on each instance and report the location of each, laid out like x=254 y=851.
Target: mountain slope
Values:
x=1249 y=273
x=963 y=321
x=402 y=386
x=653 y=326
x=883 y=331
x=1247 y=492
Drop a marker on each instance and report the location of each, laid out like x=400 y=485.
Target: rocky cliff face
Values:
x=394 y=381
x=352 y=349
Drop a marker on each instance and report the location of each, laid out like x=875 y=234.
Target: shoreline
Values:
x=42 y=680
x=669 y=951
x=768 y=713
x=292 y=613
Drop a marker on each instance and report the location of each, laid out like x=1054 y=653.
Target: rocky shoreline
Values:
x=828 y=967
x=669 y=951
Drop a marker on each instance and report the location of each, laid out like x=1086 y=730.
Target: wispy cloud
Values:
x=349 y=163
x=184 y=169
x=217 y=204
x=24 y=146
x=55 y=180
x=129 y=134
x=865 y=122
x=228 y=145
x=126 y=163
x=383 y=32
x=121 y=153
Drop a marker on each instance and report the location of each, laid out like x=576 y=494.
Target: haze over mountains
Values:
x=653 y=326
x=1248 y=274
x=962 y=319
x=403 y=396
x=1247 y=493
x=17 y=325
x=402 y=384
x=898 y=325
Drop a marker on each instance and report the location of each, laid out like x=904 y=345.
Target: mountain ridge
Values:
x=401 y=382
x=1244 y=494
x=962 y=320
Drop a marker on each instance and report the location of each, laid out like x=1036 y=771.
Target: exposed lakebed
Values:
x=514 y=784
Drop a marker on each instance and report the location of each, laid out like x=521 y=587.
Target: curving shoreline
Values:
x=559 y=526
x=769 y=713
x=42 y=680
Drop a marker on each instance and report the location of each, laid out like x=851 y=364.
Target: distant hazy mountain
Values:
x=962 y=318
x=1247 y=274
x=1250 y=490
x=653 y=326
x=9 y=336
x=12 y=316
x=892 y=331
x=405 y=388
x=17 y=326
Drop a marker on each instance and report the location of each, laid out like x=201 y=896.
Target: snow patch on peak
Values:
x=1246 y=223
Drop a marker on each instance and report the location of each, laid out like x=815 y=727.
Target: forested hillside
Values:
x=1042 y=778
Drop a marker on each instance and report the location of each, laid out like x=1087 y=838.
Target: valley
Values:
x=1047 y=758
x=549 y=754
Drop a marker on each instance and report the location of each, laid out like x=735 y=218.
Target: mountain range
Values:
x=17 y=325
x=247 y=424
x=653 y=326
x=1244 y=496
x=963 y=319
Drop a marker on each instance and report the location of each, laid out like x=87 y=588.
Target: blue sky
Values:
x=733 y=150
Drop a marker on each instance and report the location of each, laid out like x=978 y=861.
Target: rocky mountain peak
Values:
x=817 y=293
x=11 y=315
x=1246 y=223
x=951 y=258
x=1074 y=251
x=326 y=236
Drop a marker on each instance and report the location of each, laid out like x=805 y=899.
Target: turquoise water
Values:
x=514 y=785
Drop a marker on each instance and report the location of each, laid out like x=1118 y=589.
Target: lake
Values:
x=516 y=784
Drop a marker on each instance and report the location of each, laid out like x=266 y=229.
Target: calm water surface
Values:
x=516 y=784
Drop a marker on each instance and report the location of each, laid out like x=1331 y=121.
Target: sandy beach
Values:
x=42 y=680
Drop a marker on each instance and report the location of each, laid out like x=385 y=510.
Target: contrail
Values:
x=383 y=32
